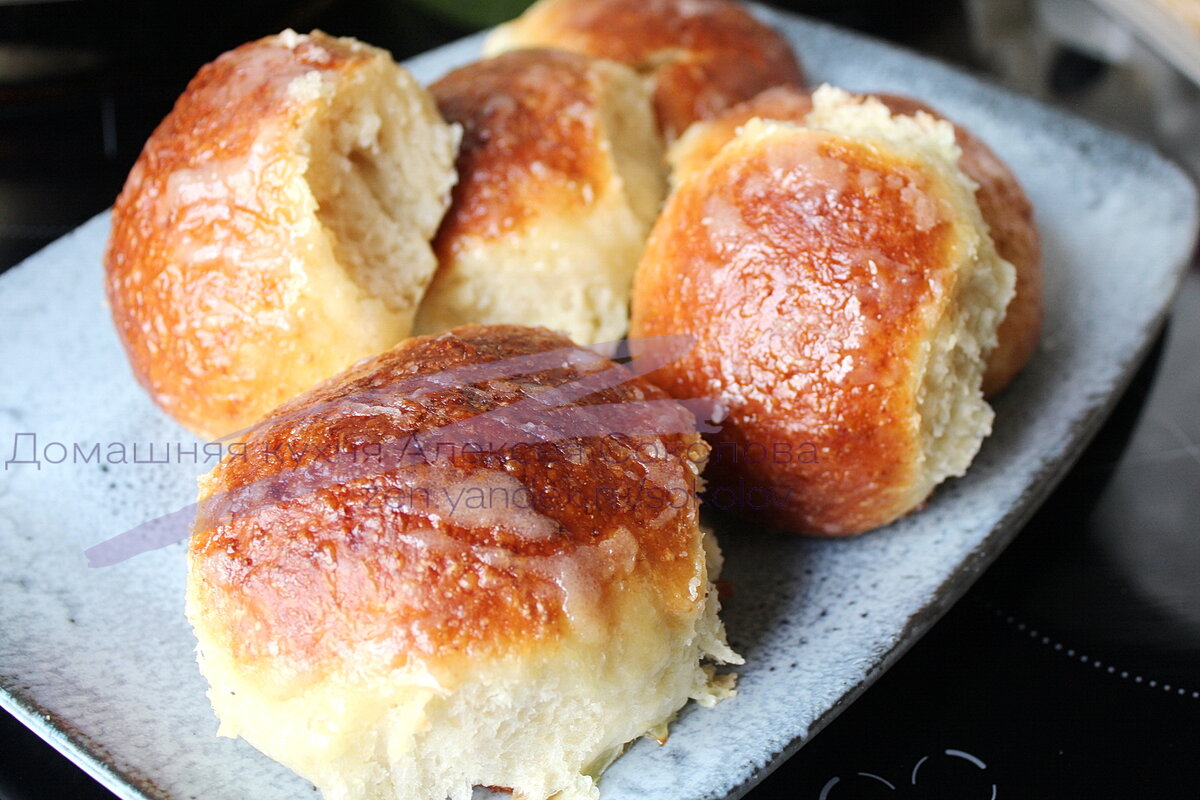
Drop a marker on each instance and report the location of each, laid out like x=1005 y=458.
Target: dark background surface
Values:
x=1071 y=670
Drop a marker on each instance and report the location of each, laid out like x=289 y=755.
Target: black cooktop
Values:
x=1072 y=669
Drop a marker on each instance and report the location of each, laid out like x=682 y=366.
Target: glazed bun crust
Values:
x=401 y=625
x=255 y=562
x=841 y=292
x=560 y=177
x=1009 y=215
x=276 y=226
x=702 y=55
x=1002 y=202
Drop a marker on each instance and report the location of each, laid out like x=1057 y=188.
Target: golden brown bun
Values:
x=702 y=55
x=391 y=624
x=842 y=291
x=1001 y=199
x=560 y=176
x=276 y=226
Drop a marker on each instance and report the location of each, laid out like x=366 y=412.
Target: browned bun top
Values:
x=808 y=268
x=1002 y=202
x=357 y=542
x=530 y=123
x=704 y=55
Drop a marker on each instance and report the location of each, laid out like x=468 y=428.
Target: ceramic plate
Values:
x=100 y=661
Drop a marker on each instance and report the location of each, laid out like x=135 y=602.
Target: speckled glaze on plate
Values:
x=100 y=661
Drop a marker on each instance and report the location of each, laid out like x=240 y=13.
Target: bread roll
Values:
x=391 y=621
x=561 y=174
x=276 y=226
x=843 y=292
x=701 y=56
x=1002 y=201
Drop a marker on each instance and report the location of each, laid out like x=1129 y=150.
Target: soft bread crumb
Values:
x=376 y=170
x=838 y=111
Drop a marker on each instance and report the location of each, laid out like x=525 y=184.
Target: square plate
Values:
x=100 y=661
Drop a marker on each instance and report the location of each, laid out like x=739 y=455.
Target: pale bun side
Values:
x=561 y=175
x=1009 y=215
x=702 y=141
x=276 y=226
x=699 y=56
x=508 y=618
x=1005 y=207
x=842 y=290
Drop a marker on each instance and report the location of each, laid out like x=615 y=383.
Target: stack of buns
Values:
x=321 y=255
